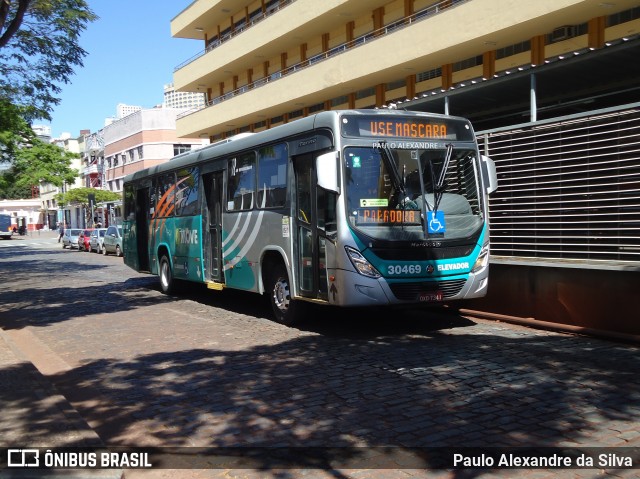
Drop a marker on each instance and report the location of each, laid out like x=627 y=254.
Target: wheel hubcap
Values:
x=281 y=296
x=163 y=275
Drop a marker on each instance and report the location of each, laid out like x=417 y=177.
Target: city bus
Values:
x=344 y=208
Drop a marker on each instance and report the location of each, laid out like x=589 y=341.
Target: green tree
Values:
x=38 y=162
x=81 y=196
x=39 y=49
x=8 y=188
x=14 y=130
x=32 y=161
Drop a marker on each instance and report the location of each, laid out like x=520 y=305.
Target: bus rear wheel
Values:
x=167 y=283
x=286 y=310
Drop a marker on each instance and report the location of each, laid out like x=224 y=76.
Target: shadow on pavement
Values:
x=402 y=391
x=376 y=377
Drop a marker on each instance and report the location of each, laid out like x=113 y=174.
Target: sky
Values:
x=130 y=57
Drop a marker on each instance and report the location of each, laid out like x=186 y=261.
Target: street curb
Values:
x=42 y=388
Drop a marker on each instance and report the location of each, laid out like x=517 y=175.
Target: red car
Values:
x=84 y=240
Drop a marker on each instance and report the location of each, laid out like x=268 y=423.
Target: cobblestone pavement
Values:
x=210 y=369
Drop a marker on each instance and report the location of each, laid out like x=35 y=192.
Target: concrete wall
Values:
x=600 y=299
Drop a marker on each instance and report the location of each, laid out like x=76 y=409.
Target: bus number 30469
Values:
x=395 y=269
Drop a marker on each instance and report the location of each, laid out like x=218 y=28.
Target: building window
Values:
x=623 y=17
x=429 y=75
x=367 y=92
x=468 y=63
x=513 y=49
x=396 y=84
x=341 y=100
x=179 y=149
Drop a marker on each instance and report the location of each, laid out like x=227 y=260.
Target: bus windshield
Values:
x=413 y=194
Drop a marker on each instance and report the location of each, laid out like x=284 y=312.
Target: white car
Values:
x=112 y=242
x=70 y=238
x=96 y=240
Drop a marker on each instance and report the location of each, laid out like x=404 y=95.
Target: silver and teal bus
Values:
x=344 y=208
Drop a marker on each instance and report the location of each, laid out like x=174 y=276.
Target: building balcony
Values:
x=91 y=170
x=438 y=35
x=265 y=38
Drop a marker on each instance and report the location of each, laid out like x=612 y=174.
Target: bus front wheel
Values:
x=167 y=283
x=286 y=310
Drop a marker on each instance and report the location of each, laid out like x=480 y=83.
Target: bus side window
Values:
x=166 y=195
x=187 y=191
x=272 y=176
x=241 y=184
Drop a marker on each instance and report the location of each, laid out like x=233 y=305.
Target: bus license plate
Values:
x=433 y=296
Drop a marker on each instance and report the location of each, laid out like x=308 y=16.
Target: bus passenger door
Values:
x=309 y=248
x=142 y=227
x=212 y=226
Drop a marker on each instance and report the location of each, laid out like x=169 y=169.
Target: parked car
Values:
x=96 y=239
x=112 y=241
x=83 y=239
x=70 y=238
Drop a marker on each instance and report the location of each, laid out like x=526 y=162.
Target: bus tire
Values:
x=286 y=310
x=167 y=283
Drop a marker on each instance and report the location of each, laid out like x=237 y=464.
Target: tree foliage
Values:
x=14 y=130
x=32 y=161
x=8 y=188
x=81 y=196
x=40 y=162
x=39 y=49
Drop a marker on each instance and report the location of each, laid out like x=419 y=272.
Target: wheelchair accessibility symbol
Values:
x=435 y=222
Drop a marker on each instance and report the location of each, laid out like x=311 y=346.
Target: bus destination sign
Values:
x=418 y=128
x=407 y=129
x=387 y=217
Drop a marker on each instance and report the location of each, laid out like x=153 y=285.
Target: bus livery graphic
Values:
x=347 y=208
x=227 y=251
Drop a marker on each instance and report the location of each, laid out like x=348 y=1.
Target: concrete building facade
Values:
x=268 y=62
x=185 y=100
x=24 y=213
x=141 y=139
x=53 y=213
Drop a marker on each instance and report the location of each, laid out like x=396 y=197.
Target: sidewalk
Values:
x=38 y=234
x=35 y=414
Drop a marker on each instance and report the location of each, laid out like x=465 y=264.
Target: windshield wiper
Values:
x=439 y=187
x=387 y=157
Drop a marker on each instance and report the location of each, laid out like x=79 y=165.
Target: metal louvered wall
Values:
x=569 y=189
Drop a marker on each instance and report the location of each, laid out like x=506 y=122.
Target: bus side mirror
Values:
x=327 y=171
x=489 y=175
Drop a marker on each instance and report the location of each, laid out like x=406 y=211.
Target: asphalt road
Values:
x=211 y=369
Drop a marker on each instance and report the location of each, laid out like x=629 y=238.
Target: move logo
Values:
x=453 y=266
x=185 y=236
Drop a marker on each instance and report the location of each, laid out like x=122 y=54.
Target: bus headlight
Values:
x=361 y=264
x=482 y=261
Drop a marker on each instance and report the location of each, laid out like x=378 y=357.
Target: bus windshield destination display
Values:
x=413 y=127
x=408 y=130
x=386 y=217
